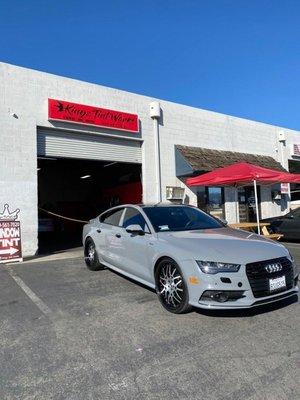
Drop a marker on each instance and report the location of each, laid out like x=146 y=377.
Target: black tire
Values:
x=91 y=256
x=171 y=287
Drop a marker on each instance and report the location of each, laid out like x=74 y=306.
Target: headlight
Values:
x=211 y=267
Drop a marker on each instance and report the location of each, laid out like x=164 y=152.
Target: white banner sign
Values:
x=284 y=188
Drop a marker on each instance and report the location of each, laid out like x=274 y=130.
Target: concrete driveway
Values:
x=69 y=333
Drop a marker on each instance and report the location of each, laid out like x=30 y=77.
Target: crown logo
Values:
x=9 y=216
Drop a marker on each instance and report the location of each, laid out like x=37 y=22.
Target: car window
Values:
x=295 y=195
x=296 y=213
x=180 y=218
x=134 y=217
x=112 y=217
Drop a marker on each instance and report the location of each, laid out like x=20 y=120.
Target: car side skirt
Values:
x=128 y=275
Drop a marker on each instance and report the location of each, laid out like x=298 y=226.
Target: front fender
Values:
x=186 y=263
x=89 y=230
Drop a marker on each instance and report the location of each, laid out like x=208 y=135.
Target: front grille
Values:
x=259 y=277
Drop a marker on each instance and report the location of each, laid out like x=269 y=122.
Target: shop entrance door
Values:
x=246 y=199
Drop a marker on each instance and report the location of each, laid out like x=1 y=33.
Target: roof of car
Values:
x=163 y=205
x=151 y=205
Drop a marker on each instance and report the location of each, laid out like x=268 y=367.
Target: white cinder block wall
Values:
x=23 y=107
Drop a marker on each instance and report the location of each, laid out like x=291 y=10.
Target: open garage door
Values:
x=80 y=176
x=84 y=146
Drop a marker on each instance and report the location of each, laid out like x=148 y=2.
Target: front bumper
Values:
x=238 y=282
x=247 y=301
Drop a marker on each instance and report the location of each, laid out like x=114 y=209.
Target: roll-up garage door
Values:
x=87 y=146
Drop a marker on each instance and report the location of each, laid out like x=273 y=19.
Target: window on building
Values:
x=211 y=200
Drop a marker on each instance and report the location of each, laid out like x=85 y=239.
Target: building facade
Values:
x=190 y=140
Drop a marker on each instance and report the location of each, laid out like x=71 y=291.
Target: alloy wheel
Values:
x=170 y=285
x=91 y=256
x=91 y=252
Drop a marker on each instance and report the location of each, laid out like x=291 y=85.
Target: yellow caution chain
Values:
x=62 y=216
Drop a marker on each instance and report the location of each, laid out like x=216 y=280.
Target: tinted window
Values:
x=134 y=217
x=112 y=217
x=295 y=195
x=179 y=218
x=296 y=213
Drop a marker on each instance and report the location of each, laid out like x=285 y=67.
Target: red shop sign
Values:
x=81 y=114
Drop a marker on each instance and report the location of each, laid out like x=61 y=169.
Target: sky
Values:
x=235 y=57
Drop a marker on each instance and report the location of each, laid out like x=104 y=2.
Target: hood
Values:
x=224 y=245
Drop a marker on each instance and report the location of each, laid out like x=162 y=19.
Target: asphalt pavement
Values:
x=69 y=333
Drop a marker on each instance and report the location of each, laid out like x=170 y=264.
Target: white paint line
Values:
x=33 y=297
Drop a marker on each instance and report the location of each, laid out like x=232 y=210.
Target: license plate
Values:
x=277 y=283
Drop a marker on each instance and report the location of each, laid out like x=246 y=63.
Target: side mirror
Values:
x=137 y=229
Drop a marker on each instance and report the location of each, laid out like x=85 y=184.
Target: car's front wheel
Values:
x=171 y=287
x=91 y=256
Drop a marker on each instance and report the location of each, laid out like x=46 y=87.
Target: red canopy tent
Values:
x=240 y=174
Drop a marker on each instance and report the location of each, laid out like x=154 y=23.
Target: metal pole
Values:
x=285 y=200
x=256 y=205
x=237 y=205
x=157 y=155
x=282 y=153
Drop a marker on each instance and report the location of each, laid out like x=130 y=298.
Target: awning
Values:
x=240 y=174
x=191 y=161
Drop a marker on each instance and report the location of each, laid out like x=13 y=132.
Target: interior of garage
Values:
x=80 y=189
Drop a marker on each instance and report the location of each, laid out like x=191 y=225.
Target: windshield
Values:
x=181 y=218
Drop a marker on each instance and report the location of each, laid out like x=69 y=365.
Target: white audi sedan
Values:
x=190 y=258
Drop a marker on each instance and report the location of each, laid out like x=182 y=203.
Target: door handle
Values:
x=118 y=235
x=99 y=230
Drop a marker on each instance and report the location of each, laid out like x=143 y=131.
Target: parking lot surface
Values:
x=69 y=333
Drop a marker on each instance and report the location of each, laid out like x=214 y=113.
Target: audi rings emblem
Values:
x=270 y=268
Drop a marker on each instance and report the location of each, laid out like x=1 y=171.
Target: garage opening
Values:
x=79 y=176
x=80 y=190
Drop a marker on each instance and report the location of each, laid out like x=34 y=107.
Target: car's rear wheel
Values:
x=91 y=256
x=171 y=287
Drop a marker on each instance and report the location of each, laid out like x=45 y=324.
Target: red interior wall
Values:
x=129 y=193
